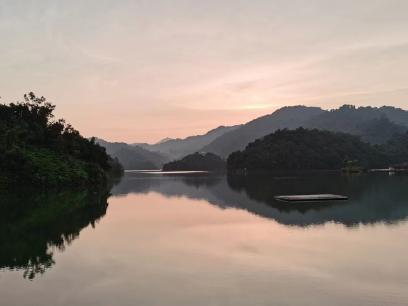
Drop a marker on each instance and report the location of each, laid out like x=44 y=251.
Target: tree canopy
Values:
x=36 y=148
x=197 y=162
x=302 y=149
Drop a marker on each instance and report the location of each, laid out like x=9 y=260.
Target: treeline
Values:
x=197 y=162
x=304 y=149
x=36 y=149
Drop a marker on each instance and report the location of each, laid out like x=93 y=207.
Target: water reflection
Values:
x=33 y=224
x=157 y=245
x=373 y=198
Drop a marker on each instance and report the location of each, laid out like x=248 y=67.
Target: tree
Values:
x=39 y=149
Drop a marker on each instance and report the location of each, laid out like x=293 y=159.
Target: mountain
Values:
x=397 y=115
x=303 y=149
x=237 y=139
x=134 y=157
x=177 y=148
x=164 y=140
x=197 y=162
x=374 y=125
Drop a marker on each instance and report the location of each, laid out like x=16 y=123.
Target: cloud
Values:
x=229 y=61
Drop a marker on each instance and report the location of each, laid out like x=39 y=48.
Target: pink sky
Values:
x=139 y=71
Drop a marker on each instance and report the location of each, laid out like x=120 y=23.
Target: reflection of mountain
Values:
x=32 y=225
x=373 y=198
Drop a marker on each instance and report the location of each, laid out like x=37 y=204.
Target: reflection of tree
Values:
x=197 y=181
x=32 y=225
x=263 y=187
x=373 y=198
x=143 y=183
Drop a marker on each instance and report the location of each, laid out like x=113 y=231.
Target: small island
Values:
x=197 y=162
x=37 y=150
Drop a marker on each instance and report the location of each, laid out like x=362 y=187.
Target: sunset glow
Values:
x=139 y=71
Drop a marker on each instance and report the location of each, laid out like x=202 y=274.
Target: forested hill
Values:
x=197 y=162
x=286 y=117
x=36 y=149
x=303 y=149
x=374 y=125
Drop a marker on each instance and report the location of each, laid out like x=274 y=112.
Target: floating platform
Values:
x=311 y=198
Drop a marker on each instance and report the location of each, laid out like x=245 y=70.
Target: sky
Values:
x=140 y=71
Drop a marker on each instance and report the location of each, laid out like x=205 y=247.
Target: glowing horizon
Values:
x=141 y=71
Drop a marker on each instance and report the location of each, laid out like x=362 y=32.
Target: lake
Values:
x=208 y=239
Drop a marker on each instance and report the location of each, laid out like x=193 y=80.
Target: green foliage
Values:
x=196 y=162
x=35 y=148
x=397 y=148
x=48 y=167
x=302 y=149
x=352 y=166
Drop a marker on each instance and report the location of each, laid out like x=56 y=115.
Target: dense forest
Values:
x=36 y=149
x=303 y=149
x=197 y=162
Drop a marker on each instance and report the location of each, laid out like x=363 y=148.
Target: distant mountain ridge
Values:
x=374 y=125
x=134 y=157
x=177 y=148
x=286 y=117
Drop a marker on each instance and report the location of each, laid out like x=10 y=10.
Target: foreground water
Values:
x=200 y=239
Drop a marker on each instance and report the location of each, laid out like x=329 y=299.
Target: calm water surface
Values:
x=201 y=239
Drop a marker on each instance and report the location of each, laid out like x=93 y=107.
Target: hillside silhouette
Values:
x=303 y=149
x=133 y=156
x=374 y=125
x=197 y=162
x=36 y=149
